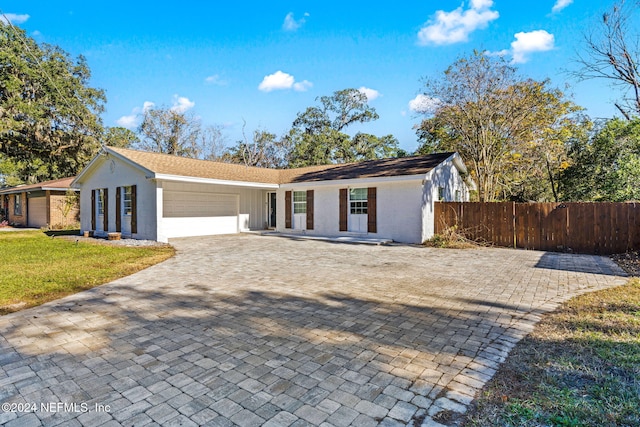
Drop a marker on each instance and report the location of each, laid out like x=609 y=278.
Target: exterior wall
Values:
x=398 y=208
x=251 y=210
x=57 y=208
x=111 y=173
x=445 y=176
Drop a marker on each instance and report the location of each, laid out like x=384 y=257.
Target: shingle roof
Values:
x=63 y=183
x=182 y=166
x=413 y=165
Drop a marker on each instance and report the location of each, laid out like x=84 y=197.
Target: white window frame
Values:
x=127 y=206
x=100 y=201
x=299 y=206
x=358 y=201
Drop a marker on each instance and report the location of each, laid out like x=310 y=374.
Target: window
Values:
x=299 y=202
x=440 y=193
x=17 y=206
x=458 y=199
x=101 y=202
x=358 y=202
x=126 y=201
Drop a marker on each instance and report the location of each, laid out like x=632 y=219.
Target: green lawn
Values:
x=579 y=367
x=36 y=268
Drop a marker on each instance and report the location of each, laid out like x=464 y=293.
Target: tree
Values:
x=265 y=150
x=605 y=166
x=120 y=137
x=49 y=115
x=505 y=127
x=612 y=53
x=170 y=131
x=318 y=135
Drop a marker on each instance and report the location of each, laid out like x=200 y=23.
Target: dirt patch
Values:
x=629 y=262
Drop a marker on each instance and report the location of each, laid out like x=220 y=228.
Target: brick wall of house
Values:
x=56 y=204
x=18 y=220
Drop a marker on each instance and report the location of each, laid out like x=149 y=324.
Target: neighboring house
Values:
x=158 y=196
x=45 y=204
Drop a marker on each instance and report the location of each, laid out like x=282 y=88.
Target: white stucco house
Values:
x=158 y=196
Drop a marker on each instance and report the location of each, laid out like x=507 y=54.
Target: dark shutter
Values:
x=105 y=209
x=93 y=209
x=118 y=209
x=309 y=209
x=344 y=206
x=287 y=209
x=134 y=210
x=372 y=224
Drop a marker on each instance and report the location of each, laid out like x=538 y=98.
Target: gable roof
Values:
x=412 y=165
x=61 y=184
x=167 y=164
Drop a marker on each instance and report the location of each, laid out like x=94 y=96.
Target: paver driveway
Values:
x=252 y=330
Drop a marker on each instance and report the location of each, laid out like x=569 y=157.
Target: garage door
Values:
x=37 y=212
x=195 y=214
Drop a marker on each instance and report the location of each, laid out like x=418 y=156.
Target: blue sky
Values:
x=263 y=62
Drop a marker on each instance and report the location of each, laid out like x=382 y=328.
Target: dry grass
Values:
x=35 y=268
x=452 y=238
x=579 y=367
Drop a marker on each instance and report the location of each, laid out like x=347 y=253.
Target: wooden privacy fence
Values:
x=592 y=228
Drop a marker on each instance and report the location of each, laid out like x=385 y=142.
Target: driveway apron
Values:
x=252 y=330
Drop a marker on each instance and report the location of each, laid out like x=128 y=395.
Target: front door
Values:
x=272 y=210
x=358 y=210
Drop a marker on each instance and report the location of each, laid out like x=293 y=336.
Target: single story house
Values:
x=45 y=204
x=158 y=196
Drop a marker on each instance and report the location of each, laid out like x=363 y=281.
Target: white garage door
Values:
x=37 y=212
x=199 y=214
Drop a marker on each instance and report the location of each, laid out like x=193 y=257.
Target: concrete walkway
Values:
x=254 y=330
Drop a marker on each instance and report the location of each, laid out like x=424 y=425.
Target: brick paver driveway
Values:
x=252 y=330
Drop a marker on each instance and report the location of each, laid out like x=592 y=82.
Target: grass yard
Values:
x=36 y=268
x=579 y=367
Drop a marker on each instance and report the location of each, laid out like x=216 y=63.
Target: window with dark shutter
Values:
x=118 y=209
x=309 y=209
x=105 y=202
x=372 y=220
x=287 y=209
x=93 y=209
x=344 y=206
x=134 y=210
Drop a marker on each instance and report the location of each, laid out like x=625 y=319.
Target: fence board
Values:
x=597 y=228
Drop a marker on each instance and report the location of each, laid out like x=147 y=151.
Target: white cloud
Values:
x=455 y=26
x=290 y=23
x=282 y=81
x=302 y=86
x=14 y=18
x=181 y=104
x=215 y=80
x=132 y=120
x=560 y=4
x=527 y=43
x=371 y=94
x=424 y=104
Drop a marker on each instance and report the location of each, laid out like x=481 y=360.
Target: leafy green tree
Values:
x=49 y=115
x=318 y=134
x=120 y=137
x=511 y=131
x=605 y=166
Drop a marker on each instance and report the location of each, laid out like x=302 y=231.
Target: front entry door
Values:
x=272 y=210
